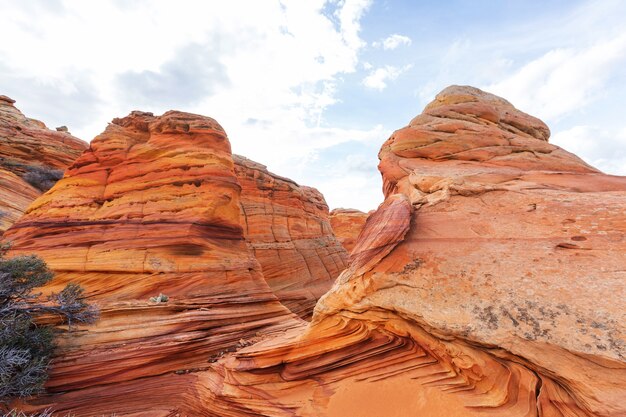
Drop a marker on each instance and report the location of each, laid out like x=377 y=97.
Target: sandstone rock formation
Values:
x=32 y=157
x=15 y=196
x=288 y=229
x=347 y=225
x=152 y=207
x=489 y=282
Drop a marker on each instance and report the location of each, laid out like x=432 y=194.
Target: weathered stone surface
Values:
x=347 y=224
x=288 y=229
x=152 y=207
x=15 y=196
x=489 y=282
x=28 y=149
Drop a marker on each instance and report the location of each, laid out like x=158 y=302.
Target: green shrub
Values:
x=25 y=347
x=42 y=178
x=161 y=298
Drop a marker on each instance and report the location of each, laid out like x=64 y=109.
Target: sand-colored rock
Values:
x=15 y=196
x=347 y=225
x=489 y=282
x=152 y=207
x=27 y=145
x=288 y=229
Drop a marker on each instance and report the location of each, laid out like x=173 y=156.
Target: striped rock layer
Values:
x=153 y=207
x=490 y=282
x=287 y=227
x=347 y=225
x=27 y=144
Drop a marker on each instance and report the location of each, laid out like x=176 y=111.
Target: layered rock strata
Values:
x=32 y=158
x=152 y=207
x=347 y=225
x=287 y=227
x=489 y=282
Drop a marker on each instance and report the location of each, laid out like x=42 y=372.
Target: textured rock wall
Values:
x=15 y=196
x=27 y=147
x=347 y=225
x=489 y=282
x=152 y=207
x=288 y=229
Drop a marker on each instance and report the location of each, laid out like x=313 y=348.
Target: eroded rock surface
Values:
x=347 y=225
x=287 y=227
x=152 y=207
x=489 y=282
x=32 y=159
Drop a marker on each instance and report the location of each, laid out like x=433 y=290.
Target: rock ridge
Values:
x=32 y=159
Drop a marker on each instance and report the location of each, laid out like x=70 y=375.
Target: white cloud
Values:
x=349 y=14
x=563 y=80
x=377 y=79
x=271 y=58
x=266 y=70
x=604 y=149
x=392 y=42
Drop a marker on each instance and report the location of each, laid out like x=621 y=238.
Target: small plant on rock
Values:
x=161 y=298
x=25 y=346
x=42 y=178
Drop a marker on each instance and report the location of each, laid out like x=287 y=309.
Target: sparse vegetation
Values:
x=17 y=413
x=161 y=298
x=42 y=178
x=25 y=346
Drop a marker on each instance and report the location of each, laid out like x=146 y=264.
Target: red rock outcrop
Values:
x=152 y=207
x=489 y=282
x=347 y=225
x=28 y=150
x=288 y=229
x=15 y=196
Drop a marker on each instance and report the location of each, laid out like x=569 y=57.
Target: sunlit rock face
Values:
x=287 y=227
x=32 y=158
x=347 y=225
x=489 y=282
x=152 y=207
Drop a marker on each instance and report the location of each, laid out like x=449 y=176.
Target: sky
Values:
x=313 y=88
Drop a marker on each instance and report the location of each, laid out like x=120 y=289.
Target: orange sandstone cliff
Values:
x=347 y=225
x=288 y=229
x=152 y=207
x=32 y=158
x=490 y=282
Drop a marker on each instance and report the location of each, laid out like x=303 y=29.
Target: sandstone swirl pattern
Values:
x=26 y=144
x=347 y=225
x=489 y=283
x=152 y=207
x=288 y=229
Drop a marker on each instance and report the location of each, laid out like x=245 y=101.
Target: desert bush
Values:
x=25 y=347
x=42 y=178
x=17 y=413
x=161 y=298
